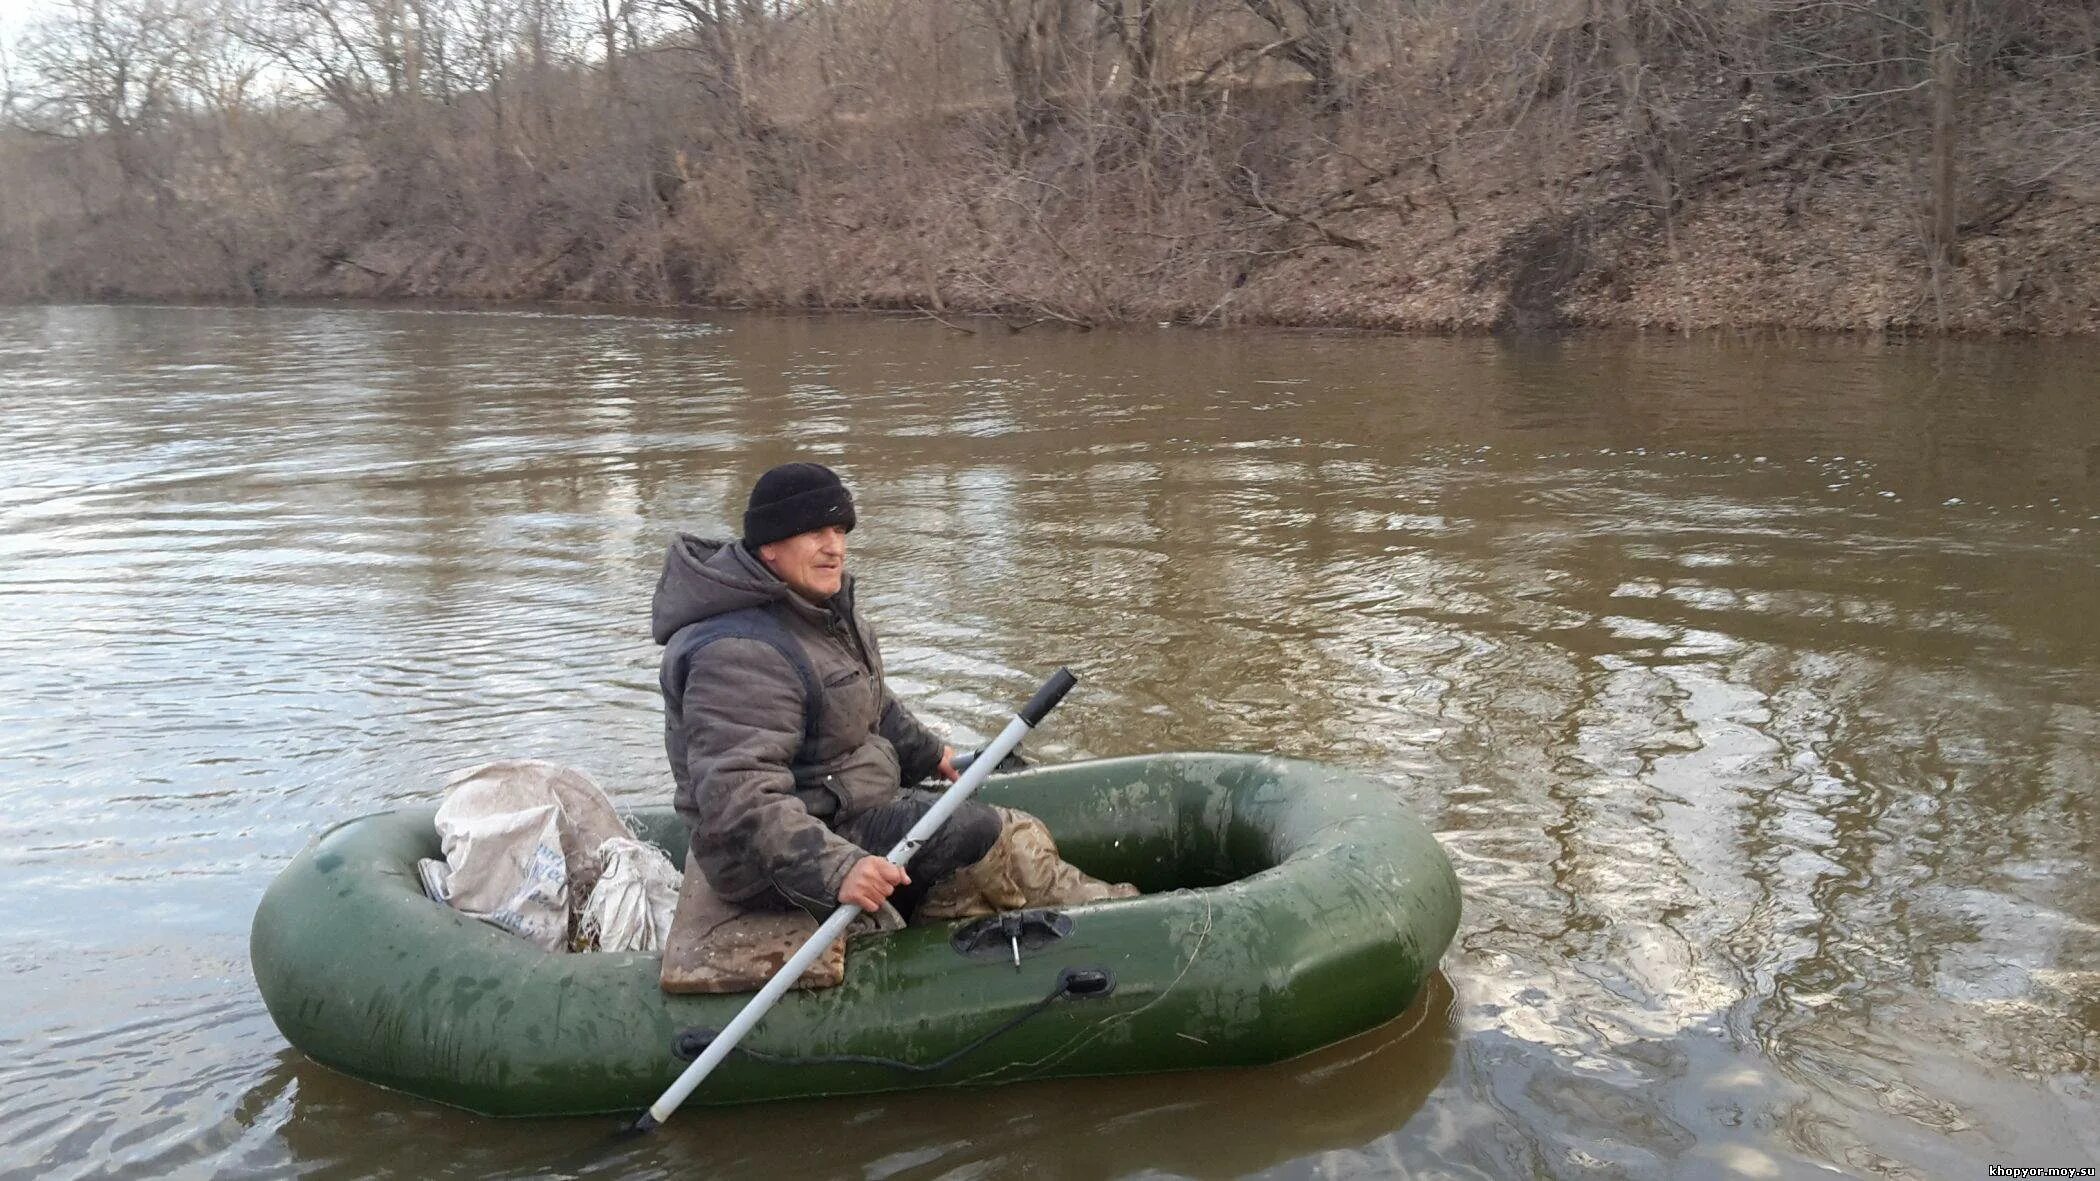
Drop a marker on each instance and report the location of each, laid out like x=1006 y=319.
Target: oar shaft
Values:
x=959 y=793
x=1044 y=701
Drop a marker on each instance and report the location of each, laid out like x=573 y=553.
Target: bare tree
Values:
x=108 y=73
x=722 y=34
x=1135 y=24
x=1314 y=36
x=1946 y=80
x=1036 y=40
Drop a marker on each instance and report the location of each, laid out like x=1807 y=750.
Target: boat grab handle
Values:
x=1015 y=933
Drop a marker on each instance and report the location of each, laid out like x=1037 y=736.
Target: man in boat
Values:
x=795 y=764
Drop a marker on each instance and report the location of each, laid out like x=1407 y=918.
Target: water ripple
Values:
x=1752 y=691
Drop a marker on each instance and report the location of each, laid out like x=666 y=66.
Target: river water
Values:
x=1753 y=688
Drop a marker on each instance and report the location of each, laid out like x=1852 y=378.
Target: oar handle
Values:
x=1045 y=700
x=1047 y=697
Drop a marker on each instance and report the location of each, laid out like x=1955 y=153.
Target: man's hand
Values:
x=871 y=881
x=947 y=769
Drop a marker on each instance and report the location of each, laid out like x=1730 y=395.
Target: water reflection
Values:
x=1751 y=688
x=1332 y=1107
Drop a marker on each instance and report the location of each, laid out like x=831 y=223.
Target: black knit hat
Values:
x=795 y=498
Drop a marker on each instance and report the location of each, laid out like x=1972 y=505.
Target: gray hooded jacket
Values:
x=734 y=724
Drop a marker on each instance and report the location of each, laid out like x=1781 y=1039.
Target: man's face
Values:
x=813 y=564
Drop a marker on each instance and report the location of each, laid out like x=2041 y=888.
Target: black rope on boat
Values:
x=1077 y=983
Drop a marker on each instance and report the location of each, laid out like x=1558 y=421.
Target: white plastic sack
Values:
x=521 y=840
x=636 y=895
x=508 y=869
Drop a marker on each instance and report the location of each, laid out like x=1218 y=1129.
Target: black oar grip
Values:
x=1047 y=697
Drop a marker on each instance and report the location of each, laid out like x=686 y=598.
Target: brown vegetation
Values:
x=1443 y=164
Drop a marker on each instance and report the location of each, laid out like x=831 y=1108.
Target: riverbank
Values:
x=1439 y=197
x=1805 y=245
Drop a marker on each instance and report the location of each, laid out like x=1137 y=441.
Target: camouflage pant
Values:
x=986 y=859
x=1022 y=869
x=995 y=859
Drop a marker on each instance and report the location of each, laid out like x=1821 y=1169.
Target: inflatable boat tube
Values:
x=1287 y=905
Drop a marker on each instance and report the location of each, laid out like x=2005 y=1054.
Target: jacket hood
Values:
x=704 y=578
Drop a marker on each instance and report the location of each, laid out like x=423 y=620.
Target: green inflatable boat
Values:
x=1287 y=905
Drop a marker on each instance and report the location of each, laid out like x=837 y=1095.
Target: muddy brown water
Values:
x=1751 y=687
